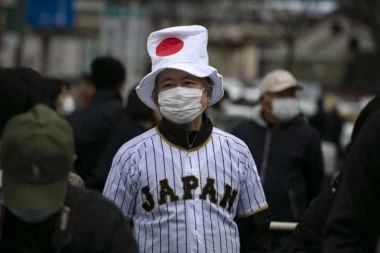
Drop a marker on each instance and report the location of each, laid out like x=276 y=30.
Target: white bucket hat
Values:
x=183 y=48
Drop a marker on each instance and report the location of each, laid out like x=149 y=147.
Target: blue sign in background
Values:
x=50 y=13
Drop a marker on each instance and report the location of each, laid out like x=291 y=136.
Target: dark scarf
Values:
x=186 y=139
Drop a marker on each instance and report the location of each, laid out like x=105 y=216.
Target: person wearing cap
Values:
x=40 y=211
x=185 y=185
x=287 y=151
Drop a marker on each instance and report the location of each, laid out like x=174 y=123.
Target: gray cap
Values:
x=277 y=81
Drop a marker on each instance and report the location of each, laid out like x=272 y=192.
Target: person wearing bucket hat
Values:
x=40 y=210
x=185 y=185
x=287 y=148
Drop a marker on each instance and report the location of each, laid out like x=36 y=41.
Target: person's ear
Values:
x=265 y=102
x=262 y=100
x=209 y=96
x=155 y=98
x=120 y=87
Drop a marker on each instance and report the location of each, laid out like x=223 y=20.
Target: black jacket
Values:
x=289 y=160
x=354 y=222
x=96 y=225
x=308 y=235
x=253 y=230
x=93 y=126
x=125 y=132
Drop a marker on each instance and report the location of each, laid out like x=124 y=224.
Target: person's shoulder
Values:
x=370 y=128
x=89 y=201
x=250 y=126
x=135 y=143
x=374 y=119
x=231 y=139
x=244 y=124
x=127 y=130
x=302 y=128
x=78 y=114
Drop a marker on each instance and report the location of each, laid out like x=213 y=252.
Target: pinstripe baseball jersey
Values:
x=185 y=200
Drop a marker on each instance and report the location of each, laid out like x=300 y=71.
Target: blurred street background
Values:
x=331 y=46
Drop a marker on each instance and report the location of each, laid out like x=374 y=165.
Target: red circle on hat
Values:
x=169 y=46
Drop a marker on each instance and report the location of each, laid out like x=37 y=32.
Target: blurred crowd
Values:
x=58 y=147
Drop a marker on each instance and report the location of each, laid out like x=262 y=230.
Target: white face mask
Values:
x=180 y=105
x=68 y=105
x=285 y=109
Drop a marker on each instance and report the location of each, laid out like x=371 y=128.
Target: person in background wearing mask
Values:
x=86 y=89
x=40 y=211
x=62 y=100
x=63 y=103
x=186 y=185
x=287 y=151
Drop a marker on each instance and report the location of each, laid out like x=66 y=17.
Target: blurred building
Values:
x=246 y=38
x=324 y=51
x=62 y=42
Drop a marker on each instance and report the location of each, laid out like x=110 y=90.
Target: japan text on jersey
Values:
x=182 y=201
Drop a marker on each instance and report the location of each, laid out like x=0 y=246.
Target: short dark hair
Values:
x=136 y=109
x=21 y=88
x=86 y=77
x=107 y=72
x=54 y=87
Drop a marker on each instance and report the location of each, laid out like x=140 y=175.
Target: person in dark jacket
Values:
x=319 y=119
x=353 y=225
x=334 y=126
x=40 y=211
x=286 y=149
x=94 y=125
x=307 y=236
x=140 y=119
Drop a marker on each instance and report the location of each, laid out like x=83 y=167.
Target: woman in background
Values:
x=60 y=96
